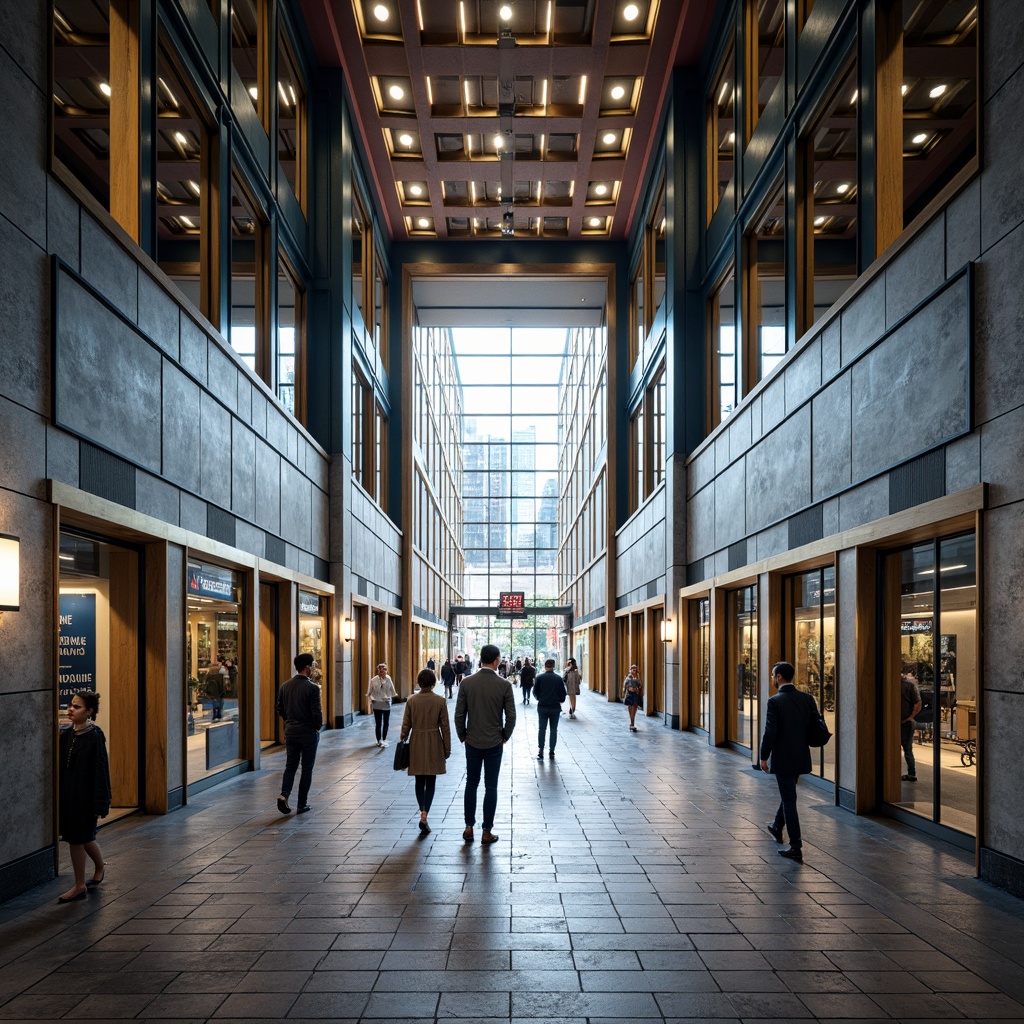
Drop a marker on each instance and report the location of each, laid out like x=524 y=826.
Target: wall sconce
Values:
x=667 y=633
x=10 y=573
x=347 y=630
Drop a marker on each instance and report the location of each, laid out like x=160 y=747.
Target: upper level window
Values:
x=765 y=292
x=246 y=46
x=291 y=120
x=291 y=340
x=721 y=131
x=723 y=351
x=827 y=203
x=766 y=55
x=359 y=254
x=182 y=174
x=248 y=325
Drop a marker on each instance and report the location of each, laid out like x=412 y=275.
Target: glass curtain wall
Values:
x=938 y=641
x=811 y=647
x=510 y=399
x=741 y=658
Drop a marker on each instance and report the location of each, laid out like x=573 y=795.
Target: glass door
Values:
x=741 y=667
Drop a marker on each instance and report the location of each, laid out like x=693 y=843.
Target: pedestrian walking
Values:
x=527 y=674
x=632 y=695
x=549 y=692
x=380 y=692
x=573 y=678
x=298 y=703
x=425 y=726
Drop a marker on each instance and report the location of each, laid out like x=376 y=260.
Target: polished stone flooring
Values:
x=633 y=881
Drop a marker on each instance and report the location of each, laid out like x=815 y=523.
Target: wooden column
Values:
x=125 y=117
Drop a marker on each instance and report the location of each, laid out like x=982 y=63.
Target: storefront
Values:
x=100 y=618
x=216 y=710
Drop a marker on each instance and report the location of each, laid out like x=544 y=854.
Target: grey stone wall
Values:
x=641 y=552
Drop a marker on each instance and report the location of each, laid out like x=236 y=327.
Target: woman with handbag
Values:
x=425 y=725
x=572 y=678
x=632 y=695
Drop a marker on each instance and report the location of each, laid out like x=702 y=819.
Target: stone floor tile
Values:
x=171 y=1005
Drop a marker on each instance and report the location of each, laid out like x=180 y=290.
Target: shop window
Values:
x=721 y=132
x=741 y=663
x=183 y=213
x=700 y=664
x=766 y=54
x=765 y=291
x=98 y=649
x=291 y=119
x=291 y=340
x=247 y=328
x=247 y=40
x=827 y=204
x=937 y=636
x=811 y=647
x=313 y=633
x=217 y=696
x=723 y=356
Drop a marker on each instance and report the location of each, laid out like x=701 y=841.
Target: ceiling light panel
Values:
x=394 y=95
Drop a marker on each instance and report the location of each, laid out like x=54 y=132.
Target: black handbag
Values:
x=817 y=731
x=401 y=756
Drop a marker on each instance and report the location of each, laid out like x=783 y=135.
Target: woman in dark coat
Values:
x=84 y=790
x=425 y=725
x=527 y=674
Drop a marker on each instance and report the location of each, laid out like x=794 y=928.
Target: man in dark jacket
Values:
x=298 y=703
x=789 y=713
x=549 y=692
x=448 y=677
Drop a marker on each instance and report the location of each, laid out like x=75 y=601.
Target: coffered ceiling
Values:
x=536 y=121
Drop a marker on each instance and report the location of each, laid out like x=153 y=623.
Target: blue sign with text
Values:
x=76 y=663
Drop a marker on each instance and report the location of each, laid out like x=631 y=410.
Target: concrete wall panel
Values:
x=730 y=509
x=181 y=429
x=215 y=451
x=863 y=321
x=268 y=487
x=296 y=507
x=63 y=225
x=23 y=127
x=779 y=472
x=1002 y=600
x=1000 y=184
x=803 y=375
x=100 y=355
x=223 y=375
x=902 y=405
x=109 y=269
x=1002 y=794
x=25 y=354
x=159 y=317
x=831 y=420
x=243 y=471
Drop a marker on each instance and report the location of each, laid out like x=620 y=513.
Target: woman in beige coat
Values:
x=425 y=725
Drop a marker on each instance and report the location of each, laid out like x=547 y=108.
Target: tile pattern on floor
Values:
x=633 y=881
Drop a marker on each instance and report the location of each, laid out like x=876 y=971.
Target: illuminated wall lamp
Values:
x=667 y=633
x=347 y=630
x=10 y=573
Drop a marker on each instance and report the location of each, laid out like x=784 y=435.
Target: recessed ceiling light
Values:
x=732 y=136
x=842 y=188
x=194 y=185
x=498 y=141
x=937 y=91
x=818 y=221
x=595 y=222
x=396 y=92
x=254 y=92
x=415 y=190
x=919 y=138
x=618 y=92
x=405 y=139
x=381 y=13
x=601 y=190
x=853 y=98
x=186 y=221
x=904 y=89
x=423 y=222
x=631 y=12
x=608 y=138
x=505 y=13
x=104 y=88
x=181 y=138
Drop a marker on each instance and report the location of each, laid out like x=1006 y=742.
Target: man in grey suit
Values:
x=487 y=700
x=787 y=717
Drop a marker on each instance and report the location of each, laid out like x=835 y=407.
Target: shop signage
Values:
x=910 y=626
x=76 y=656
x=207 y=582
x=309 y=604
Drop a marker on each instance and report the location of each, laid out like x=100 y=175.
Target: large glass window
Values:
x=741 y=659
x=723 y=355
x=291 y=119
x=182 y=228
x=766 y=50
x=700 y=664
x=216 y=710
x=811 y=647
x=291 y=341
x=937 y=774
x=247 y=326
x=827 y=199
x=246 y=32
x=765 y=307
x=721 y=131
